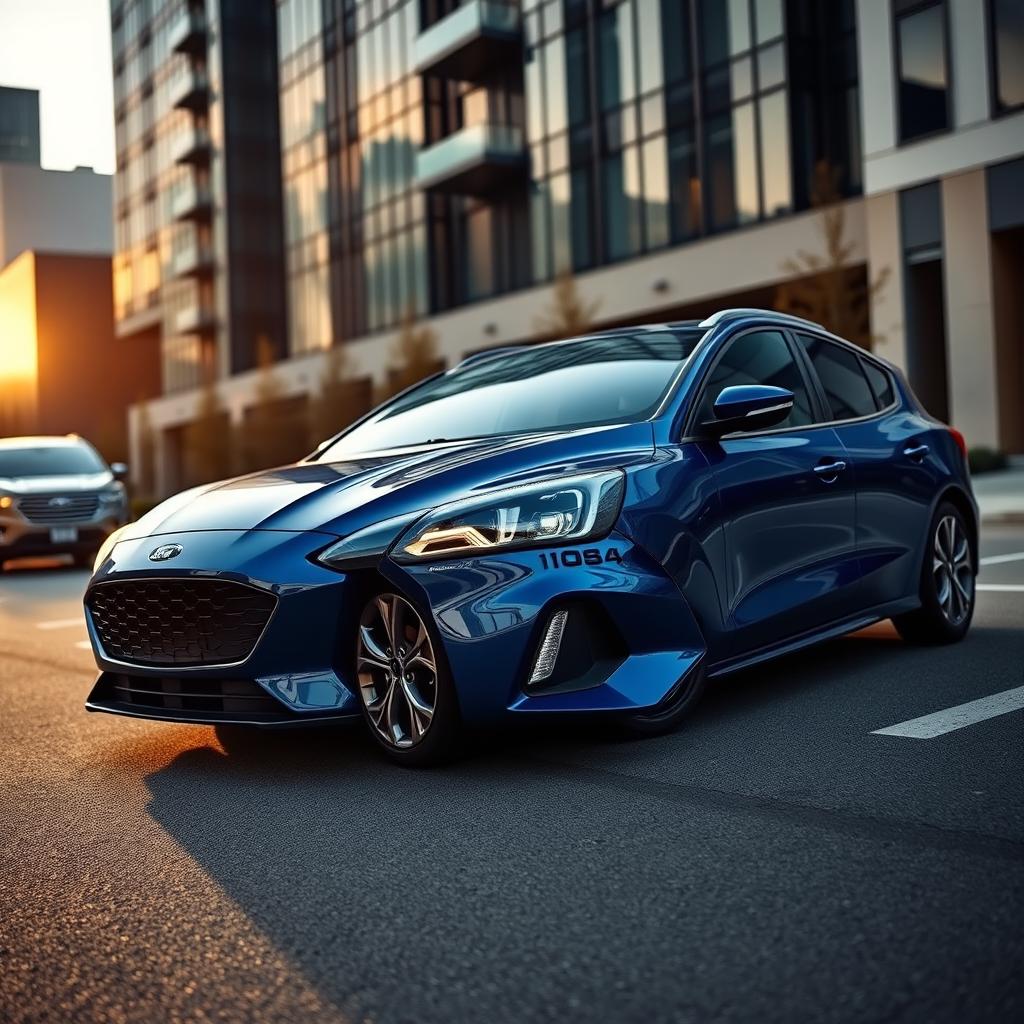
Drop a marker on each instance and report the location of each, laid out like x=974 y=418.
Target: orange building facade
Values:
x=62 y=370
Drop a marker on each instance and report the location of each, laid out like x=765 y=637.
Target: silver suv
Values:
x=57 y=496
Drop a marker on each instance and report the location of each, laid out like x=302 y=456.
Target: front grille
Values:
x=58 y=508
x=179 y=621
x=232 y=697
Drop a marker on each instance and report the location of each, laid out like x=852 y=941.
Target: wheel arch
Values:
x=960 y=500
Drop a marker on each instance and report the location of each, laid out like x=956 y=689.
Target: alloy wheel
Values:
x=397 y=671
x=952 y=571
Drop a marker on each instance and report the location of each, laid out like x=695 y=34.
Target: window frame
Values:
x=827 y=405
x=691 y=429
x=862 y=357
x=995 y=109
x=897 y=54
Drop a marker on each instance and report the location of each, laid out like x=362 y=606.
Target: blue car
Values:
x=597 y=525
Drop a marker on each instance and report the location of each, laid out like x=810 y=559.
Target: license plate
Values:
x=63 y=535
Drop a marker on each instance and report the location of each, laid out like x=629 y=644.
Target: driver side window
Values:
x=760 y=357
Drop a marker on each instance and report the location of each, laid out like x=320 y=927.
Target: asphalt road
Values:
x=774 y=860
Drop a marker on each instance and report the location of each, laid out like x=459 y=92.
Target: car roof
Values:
x=42 y=441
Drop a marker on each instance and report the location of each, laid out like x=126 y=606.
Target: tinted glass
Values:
x=762 y=357
x=838 y=369
x=881 y=384
x=56 y=460
x=924 y=79
x=1008 y=43
x=616 y=379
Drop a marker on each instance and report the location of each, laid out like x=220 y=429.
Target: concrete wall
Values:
x=54 y=211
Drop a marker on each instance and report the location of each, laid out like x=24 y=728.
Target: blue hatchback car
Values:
x=596 y=525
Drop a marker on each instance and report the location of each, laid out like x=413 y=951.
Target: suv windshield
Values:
x=618 y=378
x=49 y=460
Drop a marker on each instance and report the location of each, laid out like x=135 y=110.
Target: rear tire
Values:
x=666 y=716
x=405 y=689
x=947 y=583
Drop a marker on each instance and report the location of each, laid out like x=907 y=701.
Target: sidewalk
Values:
x=1001 y=494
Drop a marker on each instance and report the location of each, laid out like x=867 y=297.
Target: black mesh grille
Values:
x=179 y=622
x=240 y=698
x=58 y=508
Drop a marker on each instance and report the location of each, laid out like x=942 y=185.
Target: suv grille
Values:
x=229 y=697
x=58 y=508
x=179 y=621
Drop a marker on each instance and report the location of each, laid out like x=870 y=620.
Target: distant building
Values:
x=450 y=159
x=54 y=211
x=62 y=369
x=198 y=264
x=19 y=125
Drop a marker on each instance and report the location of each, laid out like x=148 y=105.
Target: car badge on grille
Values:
x=165 y=551
x=59 y=502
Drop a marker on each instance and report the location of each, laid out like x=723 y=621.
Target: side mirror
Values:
x=120 y=470
x=749 y=407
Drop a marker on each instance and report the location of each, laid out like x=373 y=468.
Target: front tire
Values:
x=947 y=583
x=405 y=689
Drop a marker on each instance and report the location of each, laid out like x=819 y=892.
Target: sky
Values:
x=62 y=48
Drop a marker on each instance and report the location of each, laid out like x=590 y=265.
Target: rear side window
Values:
x=881 y=384
x=761 y=357
x=846 y=388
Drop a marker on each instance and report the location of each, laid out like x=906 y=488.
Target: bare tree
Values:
x=342 y=397
x=413 y=358
x=569 y=314
x=825 y=288
x=207 y=439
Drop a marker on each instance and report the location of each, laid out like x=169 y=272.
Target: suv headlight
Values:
x=113 y=496
x=574 y=508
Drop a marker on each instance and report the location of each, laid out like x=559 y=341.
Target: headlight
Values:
x=366 y=547
x=107 y=546
x=115 y=496
x=6 y=501
x=574 y=508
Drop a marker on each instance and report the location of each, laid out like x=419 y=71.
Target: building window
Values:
x=922 y=64
x=1006 y=23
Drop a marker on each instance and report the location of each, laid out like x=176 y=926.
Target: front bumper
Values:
x=489 y=613
x=20 y=538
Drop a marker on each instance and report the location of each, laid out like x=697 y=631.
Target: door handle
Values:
x=916 y=452
x=830 y=469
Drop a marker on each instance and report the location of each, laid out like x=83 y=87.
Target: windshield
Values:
x=594 y=381
x=50 y=460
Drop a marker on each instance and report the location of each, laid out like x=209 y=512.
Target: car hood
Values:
x=342 y=497
x=48 y=484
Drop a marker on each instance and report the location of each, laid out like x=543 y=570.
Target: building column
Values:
x=885 y=256
x=970 y=315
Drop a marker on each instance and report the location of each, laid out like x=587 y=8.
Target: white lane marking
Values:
x=1016 y=556
x=84 y=644
x=929 y=726
x=61 y=623
x=1002 y=588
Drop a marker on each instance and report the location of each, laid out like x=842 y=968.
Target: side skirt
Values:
x=841 y=628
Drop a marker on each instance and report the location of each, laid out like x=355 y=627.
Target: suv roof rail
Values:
x=733 y=314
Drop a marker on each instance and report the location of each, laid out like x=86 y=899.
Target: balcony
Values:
x=188 y=33
x=470 y=41
x=190 y=90
x=192 y=203
x=194 y=319
x=474 y=161
x=195 y=261
x=191 y=146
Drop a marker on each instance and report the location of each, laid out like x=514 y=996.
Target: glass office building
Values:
x=318 y=172
x=197 y=209
x=437 y=154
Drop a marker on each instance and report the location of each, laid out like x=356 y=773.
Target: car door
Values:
x=787 y=496
x=896 y=479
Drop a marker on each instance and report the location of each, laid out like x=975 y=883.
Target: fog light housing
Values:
x=547 y=653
